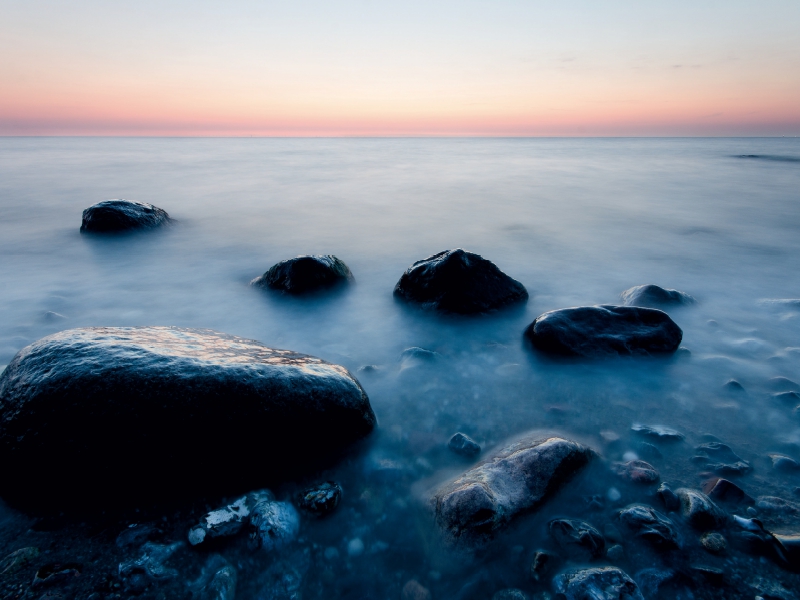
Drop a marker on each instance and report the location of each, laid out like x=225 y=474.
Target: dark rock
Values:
x=733 y=386
x=719 y=457
x=272 y=524
x=601 y=331
x=657 y=432
x=510 y=594
x=783 y=463
x=56 y=574
x=414 y=590
x=135 y=535
x=788 y=397
x=122 y=215
x=648 y=450
x=217 y=580
x=770 y=590
x=654 y=296
x=608 y=583
x=713 y=542
x=144 y=412
x=776 y=505
x=636 y=471
x=228 y=520
x=542 y=565
x=419 y=354
x=577 y=538
x=650 y=580
x=671 y=501
x=282 y=581
x=699 y=510
x=790 y=548
x=722 y=490
x=650 y=525
x=712 y=574
x=615 y=553
x=16 y=560
x=151 y=562
x=305 y=274
x=321 y=499
x=471 y=509
x=464 y=445
x=458 y=281
x=783 y=384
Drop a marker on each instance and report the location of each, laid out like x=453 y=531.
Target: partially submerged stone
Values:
x=152 y=562
x=147 y=412
x=458 y=281
x=228 y=520
x=472 y=508
x=722 y=490
x=720 y=458
x=647 y=523
x=273 y=524
x=304 y=274
x=604 y=331
x=464 y=445
x=636 y=471
x=577 y=538
x=700 y=511
x=606 y=583
x=658 y=432
x=321 y=499
x=654 y=296
x=122 y=215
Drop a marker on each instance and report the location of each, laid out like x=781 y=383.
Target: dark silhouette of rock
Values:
x=609 y=583
x=658 y=432
x=464 y=445
x=321 y=499
x=719 y=457
x=577 y=538
x=722 y=490
x=602 y=331
x=671 y=502
x=654 y=296
x=636 y=471
x=305 y=274
x=700 y=511
x=472 y=508
x=647 y=523
x=146 y=412
x=122 y=215
x=458 y=281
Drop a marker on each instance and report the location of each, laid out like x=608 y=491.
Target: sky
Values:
x=402 y=68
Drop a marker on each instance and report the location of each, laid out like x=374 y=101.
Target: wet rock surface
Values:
x=305 y=274
x=724 y=491
x=464 y=445
x=458 y=281
x=658 y=432
x=321 y=499
x=636 y=471
x=719 y=457
x=654 y=296
x=112 y=216
x=134 y=403
x=471 y=509
x=577 y=538
x=647 y=523
x=608 y=583
x=604 y=331
x=699 y=510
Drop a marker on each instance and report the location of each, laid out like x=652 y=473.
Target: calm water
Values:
x=576 y=221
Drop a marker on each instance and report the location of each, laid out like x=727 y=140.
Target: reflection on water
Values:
x=576 y=221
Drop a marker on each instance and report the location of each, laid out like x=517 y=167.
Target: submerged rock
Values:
x=542 y=565
x=217 y=580
x=122 y=215
x=17 y=559
x=722 y=490
x=647 y=523
x=144 y=412
x=602 y=331
x=321 y=499
x=650 y=580
x=414 y=590
x=699 y=510
x=472 y=508
x=510 y=594
x=577 y=538
x=151 y=563
x=719 y=457
x=605 y=583
x=654 y=296
x=636 y=471
x=783 y=463
x=305 y=274
x=464 y=445
x=777 y=505
x=658 y=432
x=667 y=496
x=273 y=524
x=460 y=282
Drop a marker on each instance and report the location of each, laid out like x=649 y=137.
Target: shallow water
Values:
x=576 y=221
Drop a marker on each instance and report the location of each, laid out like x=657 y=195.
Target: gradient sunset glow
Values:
x=362 y=68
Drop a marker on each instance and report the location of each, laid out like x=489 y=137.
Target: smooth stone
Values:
x=699 y=510
x=722 y=490
x=321 y=499
x=606 y=583
x=658 y=432
x=783 y=384
x=733 y=386
x=783 y=463
x=577 y=538
x=304 y=274
x=464 y=445
x=414 y=590
x=719 y=457
x=604 y=331
x=788 y=397
x=542 y=565
x=774 y=504
x=458 y=281
x=650 y=525
x=714 y=542
x=473 y=507
x=671 y=502
x=217 y=580
x=648 y=450
x=654 y=296
x=636 y=471
x=122 y=215
x=134 y=413
x=228 y=520
x=615 y=553
x=272 y=524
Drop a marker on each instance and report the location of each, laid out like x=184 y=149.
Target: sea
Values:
x=577 y=221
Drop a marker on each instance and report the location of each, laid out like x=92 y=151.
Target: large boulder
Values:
x=458 y=281
x=654 y=296
x=122 y=215
x=148 y=412
x=600 y=331
x=471 y=509
x=305 y=274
